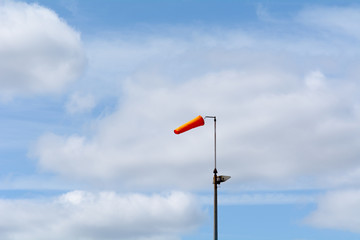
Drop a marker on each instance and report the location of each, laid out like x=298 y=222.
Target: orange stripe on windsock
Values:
x=196 y=122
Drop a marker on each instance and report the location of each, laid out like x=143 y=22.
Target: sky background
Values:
x=91 y=91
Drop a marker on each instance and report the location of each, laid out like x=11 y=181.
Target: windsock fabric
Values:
x=196 y=122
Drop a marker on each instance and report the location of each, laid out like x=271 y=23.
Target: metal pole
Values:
x=215 y=206
x=215 y=141
x=216 y=182
x=215 y=187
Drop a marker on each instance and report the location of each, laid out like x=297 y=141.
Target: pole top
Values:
x=214 y=117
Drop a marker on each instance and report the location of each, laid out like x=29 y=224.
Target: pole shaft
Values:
x=215 y=188
x=215 y=142
x=215 y=207
x=216 y=182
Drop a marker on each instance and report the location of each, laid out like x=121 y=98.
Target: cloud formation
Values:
x=287 y=115
x=334 y=19
x=287 y=107
x=101 y=215
x=39 y=52
x=337 y=210
x=80 y=103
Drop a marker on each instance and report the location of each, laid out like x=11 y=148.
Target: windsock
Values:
x=196 y=122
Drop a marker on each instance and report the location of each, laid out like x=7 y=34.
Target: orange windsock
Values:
x=196 y=122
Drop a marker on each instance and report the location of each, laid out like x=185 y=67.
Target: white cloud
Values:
x=285 y=115
x=337 y=210
x=315 y=80
x=102 y=215
x=334 y=19
x=264 y=133
x=39 y=52
x=79 y=103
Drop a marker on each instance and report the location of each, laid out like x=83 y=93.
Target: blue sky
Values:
x=91 y=92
